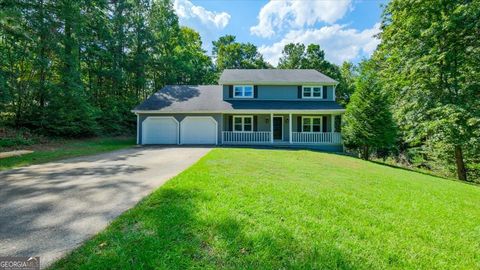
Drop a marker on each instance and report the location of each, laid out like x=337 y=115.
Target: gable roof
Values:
x=209 y=98
x=274 y=76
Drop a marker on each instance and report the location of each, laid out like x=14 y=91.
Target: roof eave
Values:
x=260 y=111
x=277 y=83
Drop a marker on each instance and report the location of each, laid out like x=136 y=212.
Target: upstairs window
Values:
x=312 y=92
x=243 y=91
x=243 y=123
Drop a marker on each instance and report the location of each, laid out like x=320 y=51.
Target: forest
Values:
x=76 y=69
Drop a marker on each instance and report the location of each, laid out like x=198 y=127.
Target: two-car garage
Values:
x=190 y=130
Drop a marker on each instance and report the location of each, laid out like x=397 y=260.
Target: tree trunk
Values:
x=461 y=171
x=365 y=152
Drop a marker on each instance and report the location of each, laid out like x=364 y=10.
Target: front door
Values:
x=277 y=128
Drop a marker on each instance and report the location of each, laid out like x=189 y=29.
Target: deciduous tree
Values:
x=429 y=56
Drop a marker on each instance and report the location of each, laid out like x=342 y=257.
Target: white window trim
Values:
x=311 y=123
x=243 y=122
x=243 y=91
x=311 y=87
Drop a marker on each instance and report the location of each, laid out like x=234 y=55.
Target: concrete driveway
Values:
x=47 y=210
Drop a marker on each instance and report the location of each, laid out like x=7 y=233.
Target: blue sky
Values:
x=345 y=29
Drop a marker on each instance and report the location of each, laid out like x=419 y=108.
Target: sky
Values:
x=344 y=29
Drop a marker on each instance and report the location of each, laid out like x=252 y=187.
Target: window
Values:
x=243 y=123
x=243 y=91
x=311 y=124
x=312 y=92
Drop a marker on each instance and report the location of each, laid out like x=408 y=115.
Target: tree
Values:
x=77 y=68
x=193 y=65
x=429 y=56
x=293 y=57
x=231 y=54
x=297 y=56
x=368 y=121
x=69 y=113
x=348 y=72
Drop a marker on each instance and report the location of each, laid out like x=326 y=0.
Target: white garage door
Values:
x=160 y=130
x=198 y=130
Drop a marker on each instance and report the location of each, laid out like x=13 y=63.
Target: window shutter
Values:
x=324 y=94
x=255 y=91
x=299 y=91
x=230 y=91
x=230 y=123
x=324 y=124
x=255 y=123
x=299 y=124
x=338 y=123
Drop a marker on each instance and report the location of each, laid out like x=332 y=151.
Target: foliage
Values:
x=298 y=210
x=297 y=56
x=429 y=62
x=348 y=74
x=368 y=121
x=235 y=55
x=12 y=138
x=76 y=68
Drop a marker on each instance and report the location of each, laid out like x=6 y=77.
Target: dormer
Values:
x=277 y=84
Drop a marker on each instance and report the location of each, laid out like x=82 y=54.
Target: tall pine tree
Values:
x=368 y=122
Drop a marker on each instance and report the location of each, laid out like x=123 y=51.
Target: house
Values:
x=248 y=107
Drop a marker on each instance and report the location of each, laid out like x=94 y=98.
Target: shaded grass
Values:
x=280 y=209
x=66 y=149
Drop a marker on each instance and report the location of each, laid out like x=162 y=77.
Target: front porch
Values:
x=281 y=129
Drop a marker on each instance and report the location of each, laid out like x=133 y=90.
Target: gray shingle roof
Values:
x=274 y=76
x=209 y=98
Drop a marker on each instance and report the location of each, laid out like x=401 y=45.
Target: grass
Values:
x=65 y=149
x=279 y=209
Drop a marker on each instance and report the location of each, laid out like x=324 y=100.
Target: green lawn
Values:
x=279 y=209
x=66 y=149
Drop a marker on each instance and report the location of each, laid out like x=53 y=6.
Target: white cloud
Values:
x=187 y=11
x=207 y=23
x=276 y=15
x=339 y=43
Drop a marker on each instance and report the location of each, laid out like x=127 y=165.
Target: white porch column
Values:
x=290 y=128
x=271 y=127
x=138 y=129
x=333 y=123
x=222 y=128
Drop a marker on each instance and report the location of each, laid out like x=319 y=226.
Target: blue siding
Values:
x=280 y=92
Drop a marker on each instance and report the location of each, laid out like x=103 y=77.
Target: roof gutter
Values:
x=242 y=111
x=277 y=83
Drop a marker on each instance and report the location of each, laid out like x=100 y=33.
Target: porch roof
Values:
x=209 y=98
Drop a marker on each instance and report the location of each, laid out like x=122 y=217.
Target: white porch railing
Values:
x=243 y=137
x=317 y=137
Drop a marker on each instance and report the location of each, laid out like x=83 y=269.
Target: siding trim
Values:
x=277 y=83
x=325 y=111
